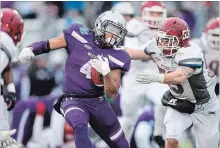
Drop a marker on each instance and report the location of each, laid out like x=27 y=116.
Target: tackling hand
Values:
x=149 y=76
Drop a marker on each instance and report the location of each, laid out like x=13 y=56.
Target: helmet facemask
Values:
x=168 y=44
x=110 y=33
x=153 y=18
x=213 y=38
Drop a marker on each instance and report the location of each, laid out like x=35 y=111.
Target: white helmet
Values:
x=147 y=8
x=113 y=23
x=212 y=33
x=125 y=8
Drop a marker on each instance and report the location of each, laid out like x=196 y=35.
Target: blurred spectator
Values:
x=19 y=74
x=95 y=8
x=26 y=9
x=39 y=80
x=42 y=81
x=53 y=11
x=74 y=16
x=55 y=8
x=56 y=61
x=74 y=12
x=74 y=5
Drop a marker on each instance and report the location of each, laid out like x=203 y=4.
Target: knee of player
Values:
x=80 y=129
x=172 y=143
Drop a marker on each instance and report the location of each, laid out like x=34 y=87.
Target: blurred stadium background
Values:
x=39 y=82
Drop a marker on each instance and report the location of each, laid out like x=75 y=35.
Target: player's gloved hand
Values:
x=10 y=100
x=26 y=54
x=101 y=64
x=6 y=141
x=10 y=143
x=6 y=134
x=149 y=76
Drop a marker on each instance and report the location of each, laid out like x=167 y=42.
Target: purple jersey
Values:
x=81 y=49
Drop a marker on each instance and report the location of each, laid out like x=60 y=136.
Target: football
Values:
x=96 y=77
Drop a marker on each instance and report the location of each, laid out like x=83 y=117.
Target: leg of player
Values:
x=155 y=92
x=134 y=100
x=105 y=123
x=142 y=134
x=206 y=125
x=56 y=124
x=176 y=123
x=159 y=113
x=3 y=115
x=77 y=117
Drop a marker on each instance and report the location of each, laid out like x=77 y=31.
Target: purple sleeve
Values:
x=120 y=60
x=68 y=36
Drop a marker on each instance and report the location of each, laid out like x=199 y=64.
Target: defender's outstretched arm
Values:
x=136 y=54
x=176 y=77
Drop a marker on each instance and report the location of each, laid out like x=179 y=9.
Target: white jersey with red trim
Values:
x=198 y=88
x=211 y=55
x=8 y=45
x=7 y=52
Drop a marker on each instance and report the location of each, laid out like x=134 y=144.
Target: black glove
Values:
x=10 y=100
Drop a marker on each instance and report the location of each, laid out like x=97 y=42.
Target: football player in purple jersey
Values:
x=82 y=101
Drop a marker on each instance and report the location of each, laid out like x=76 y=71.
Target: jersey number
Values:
x=86 y=69
x=178 y=88
x=214 y=66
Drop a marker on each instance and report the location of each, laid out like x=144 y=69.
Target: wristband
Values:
x=40 y=47
x=160 y=78
x=109 y=100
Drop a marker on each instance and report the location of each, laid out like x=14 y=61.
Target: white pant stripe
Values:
x=72 y=108
x=116 y=135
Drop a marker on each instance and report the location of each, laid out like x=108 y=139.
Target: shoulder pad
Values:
x=190 y=57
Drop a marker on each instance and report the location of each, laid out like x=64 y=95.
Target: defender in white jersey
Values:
x=210 y=44
x=10 y=35
x=139 y=32
x=191 y=100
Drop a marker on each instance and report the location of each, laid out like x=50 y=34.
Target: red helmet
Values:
x=212 y=31
x=173 y=34
x=12 y=24
x=153 y=20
